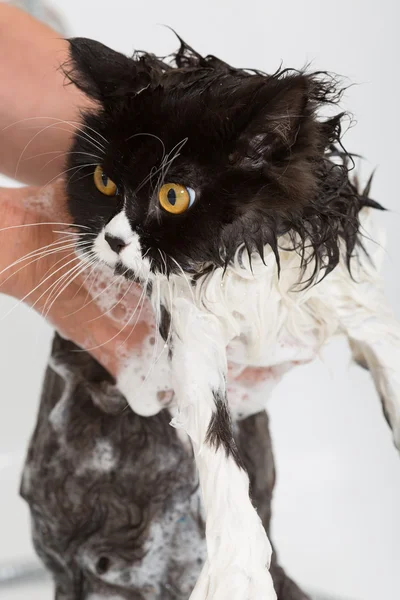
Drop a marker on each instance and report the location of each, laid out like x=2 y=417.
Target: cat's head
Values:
x=182 y=164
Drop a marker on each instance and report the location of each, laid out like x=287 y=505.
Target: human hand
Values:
x=78 y=300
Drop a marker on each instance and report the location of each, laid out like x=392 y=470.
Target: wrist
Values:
x=23 y=233
x=11 y=223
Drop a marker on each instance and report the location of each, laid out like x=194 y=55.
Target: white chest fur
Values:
x=255 y=319
x=268 y=322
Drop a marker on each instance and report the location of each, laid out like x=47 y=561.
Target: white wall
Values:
x=337 y=504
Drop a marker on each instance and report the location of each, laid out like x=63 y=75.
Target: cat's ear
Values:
x=100 y=72
x=271 y=119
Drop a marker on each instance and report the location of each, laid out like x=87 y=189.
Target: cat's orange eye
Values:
x=176 y=198
x=104 y=184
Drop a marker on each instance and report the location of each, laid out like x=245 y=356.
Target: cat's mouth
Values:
x=117 y=246
x=121 y=269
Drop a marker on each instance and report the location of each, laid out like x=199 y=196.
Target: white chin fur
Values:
x=131 y=256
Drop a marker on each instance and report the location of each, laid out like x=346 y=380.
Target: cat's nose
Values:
x=115 y=243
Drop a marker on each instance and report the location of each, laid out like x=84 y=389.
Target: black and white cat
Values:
x=227 y=196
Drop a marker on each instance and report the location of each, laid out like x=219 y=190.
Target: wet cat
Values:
x=226 y=195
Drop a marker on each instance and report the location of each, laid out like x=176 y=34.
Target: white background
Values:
x=337 y=504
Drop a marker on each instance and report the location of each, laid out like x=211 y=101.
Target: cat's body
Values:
x=224 y=194
x=107 y=488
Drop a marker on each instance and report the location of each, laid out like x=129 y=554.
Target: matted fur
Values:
x=256 y=146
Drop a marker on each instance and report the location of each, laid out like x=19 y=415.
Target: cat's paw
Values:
x=233 y=584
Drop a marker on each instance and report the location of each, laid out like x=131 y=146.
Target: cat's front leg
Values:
x=239 y=551
x=373 y=331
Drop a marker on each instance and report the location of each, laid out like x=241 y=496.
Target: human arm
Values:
x=35 y=109
x=30 y=228
x=38 y=112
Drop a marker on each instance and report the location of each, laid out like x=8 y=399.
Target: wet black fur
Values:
x=261 y=159
x=89 y=524
x=220 y=430
x=165 y=323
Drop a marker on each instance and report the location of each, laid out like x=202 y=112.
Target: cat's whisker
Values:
x=96 y=145
x=152 y=174
x=35 y=252
x=164 y=161
x=82 y=131
x=86 y=175
x=148 y=135
x=83 y=234
x=167 y=166
x=44 y=154
x=114 y=306
x=22 y=121
x=153 y=171
x=155 y=358
x=82 y=153
x=31 y=262
x=97 y=296
x=73 y=276
x=177 y=148
x=78 y=135
x=34 y=256
x=142 y=300
x=146 y=253
x=142 y=296
x=76 y=124
x=36 y=287
x=75 y=258
x=59 y=152
x=96 y=272
x=42 y=223
x=82 y=246
x=59 y=175
x=146 y=179
x=168 y=161
x=27 y=146
x=121 y=330
x=84 y=281
x=76 y=169
x=85 y=252
x=53 y=287
x=140 y=303
x=161 y=172
x=184 y=276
